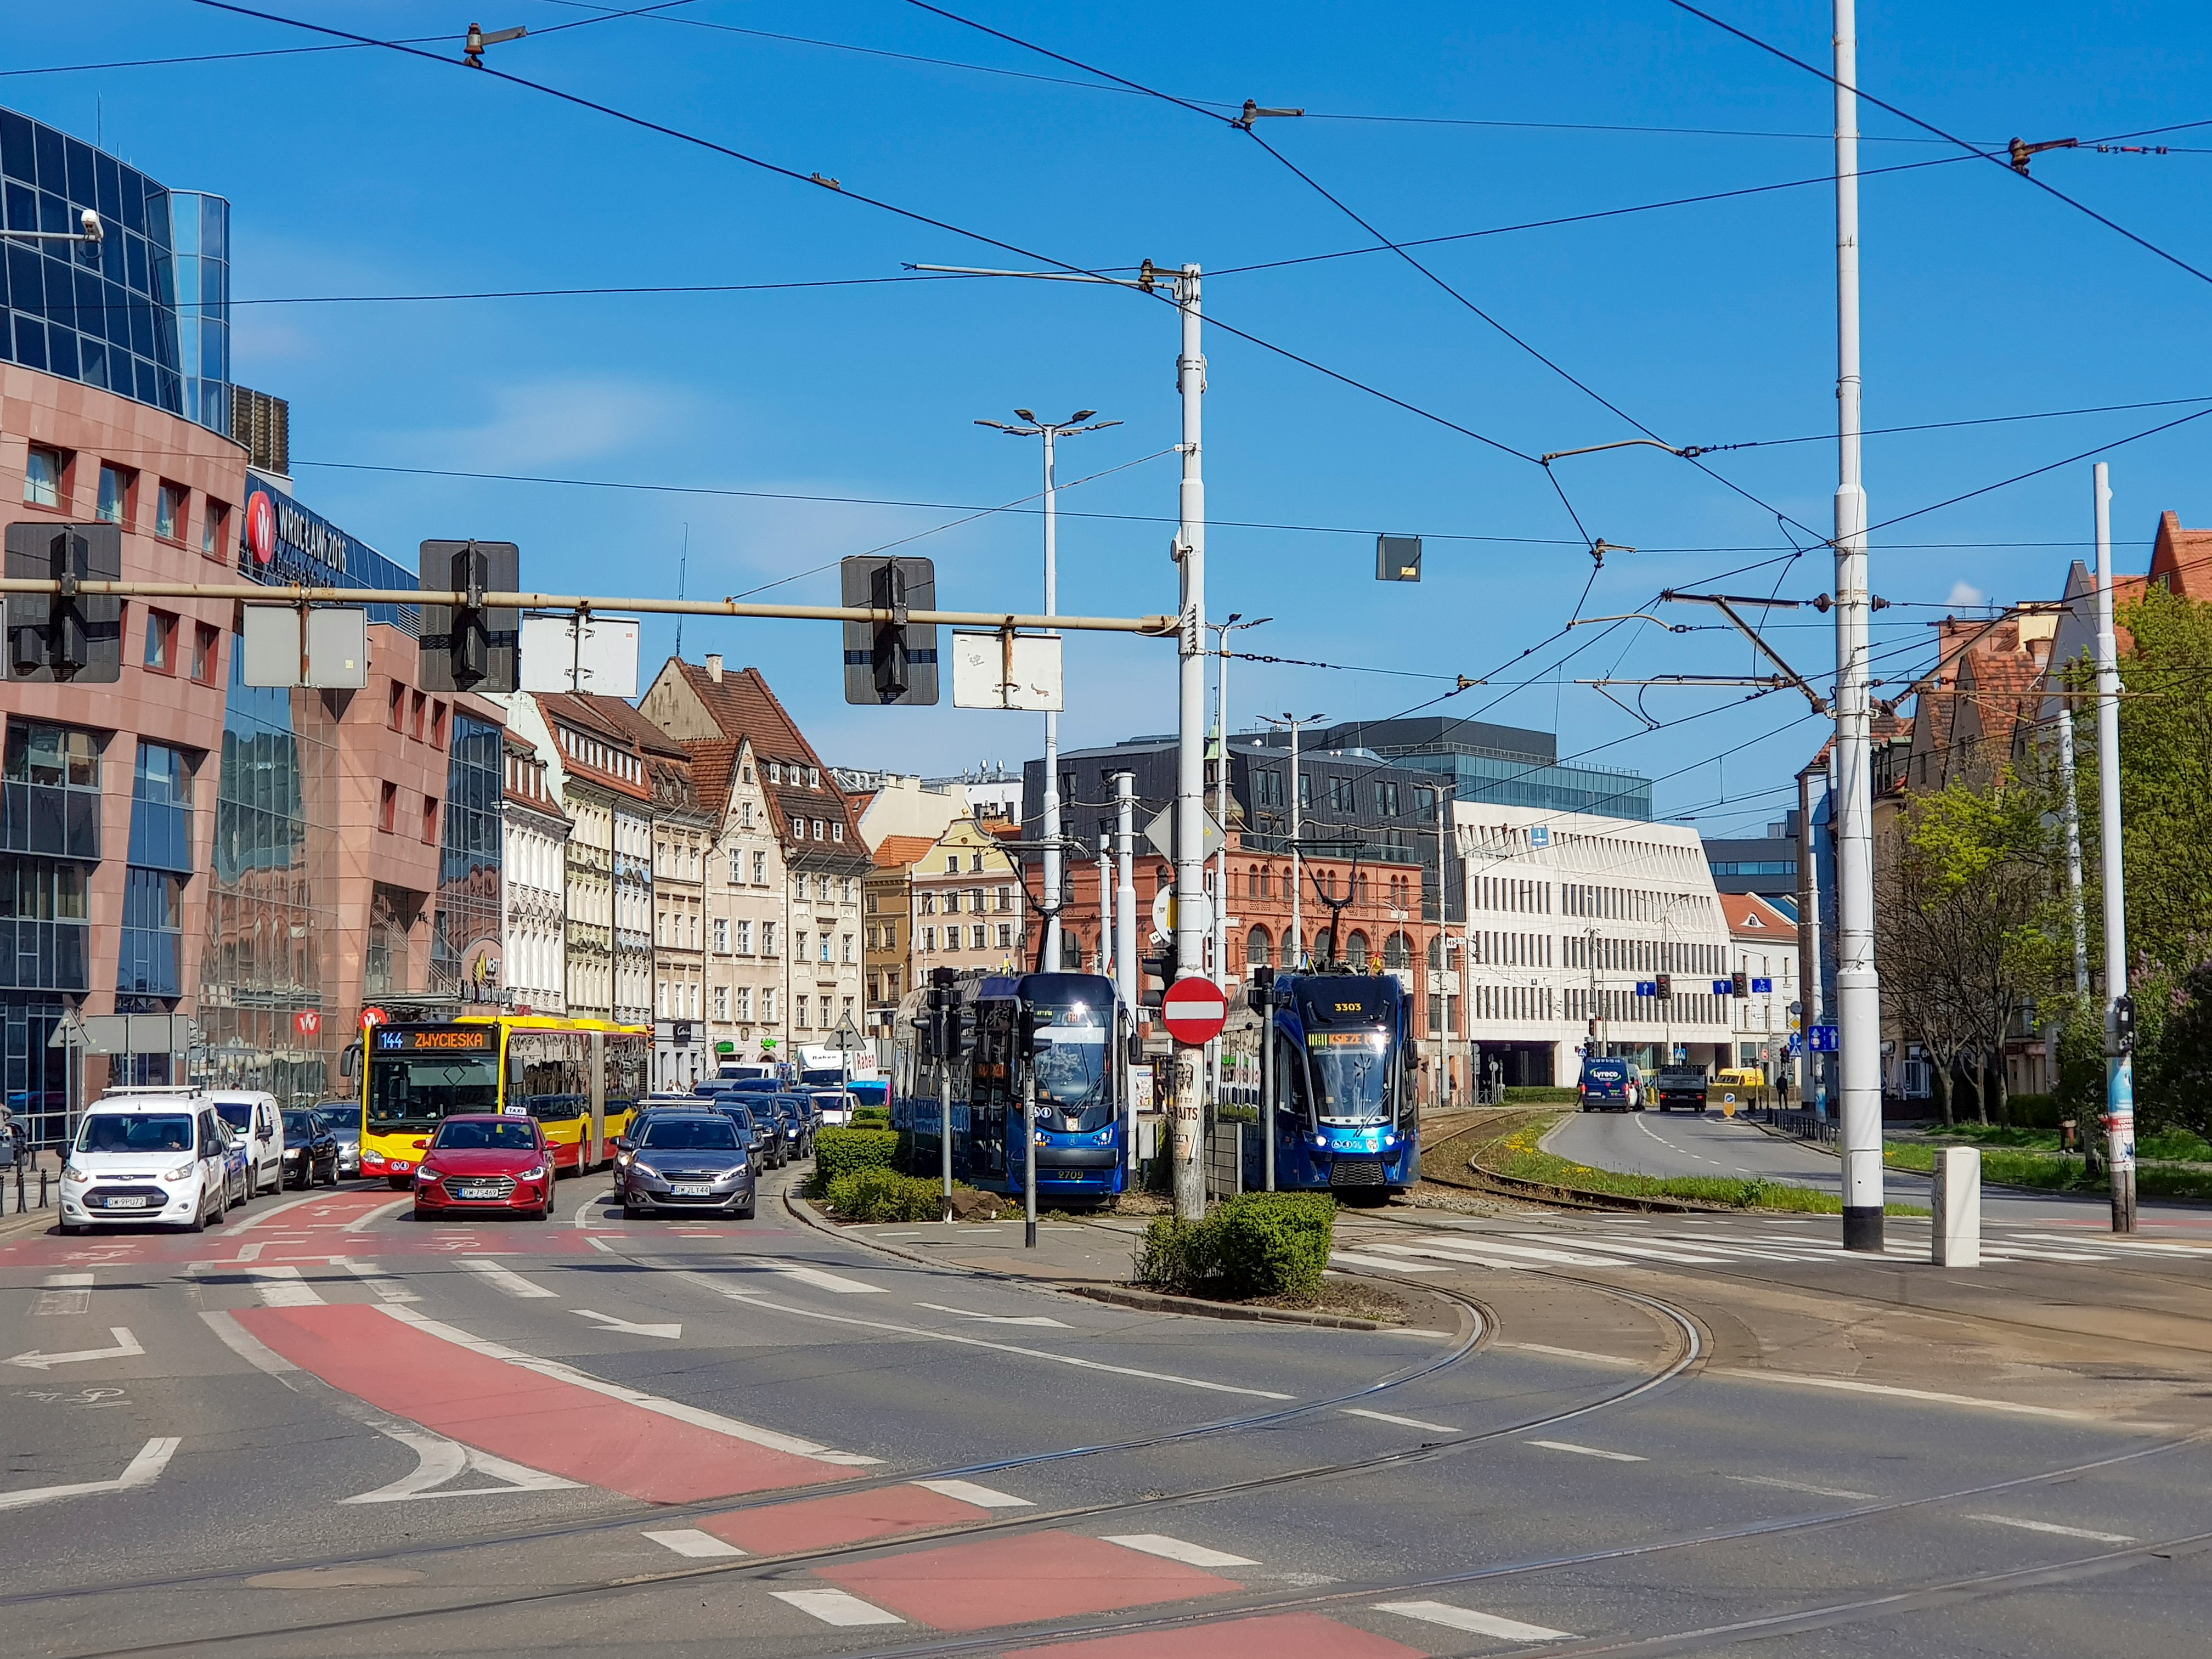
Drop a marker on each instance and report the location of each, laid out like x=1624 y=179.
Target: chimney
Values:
x=714 y=667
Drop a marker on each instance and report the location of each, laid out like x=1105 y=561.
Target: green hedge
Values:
x=882 y=1195
x=844 y=1152
x=1539 y=1094
x=872 y=1117
x=1260 y=1244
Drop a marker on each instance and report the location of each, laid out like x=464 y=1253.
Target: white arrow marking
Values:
x=126 y=1346
x=994 y=1319
x=144 y=1470
x=610 y=1323
x=444 y=1459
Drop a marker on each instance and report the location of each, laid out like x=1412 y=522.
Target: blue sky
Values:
x=365 y=172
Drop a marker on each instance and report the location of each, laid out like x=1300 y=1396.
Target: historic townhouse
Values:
x=745 y=904
x=535 y=830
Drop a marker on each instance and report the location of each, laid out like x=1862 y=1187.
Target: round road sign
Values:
x=1194 y=1009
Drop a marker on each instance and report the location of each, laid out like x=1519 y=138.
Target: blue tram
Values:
x=1074 y=1025
x=1342 y=1072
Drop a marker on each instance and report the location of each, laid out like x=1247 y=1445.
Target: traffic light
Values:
x=469 y=646
x=891 y=659
x=1666 y=984
x=943 y=1034
x=1741 y=985
x=64 y=637
x=1262 y=993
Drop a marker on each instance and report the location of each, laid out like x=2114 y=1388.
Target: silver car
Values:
x=343 y=1117
x=691 y=1161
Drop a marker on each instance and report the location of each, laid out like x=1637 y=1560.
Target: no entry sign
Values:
x=1194 y=1009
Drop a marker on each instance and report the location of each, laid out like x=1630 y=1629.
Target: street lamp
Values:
x=1051 y=431
x=1297 y=939
x=91 y=235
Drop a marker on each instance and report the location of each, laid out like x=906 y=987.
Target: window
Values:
x=721 y=1002
x=387 y=809
x=745 y=1002
x=768 y=1005
x=53 y=796
x=775 y=771
x=837 y=829
x=767 y=942
x=737 y=869
x=1344 y=795
x=161 y=809
x=437 y=725
x=1257 y=944
x=817 y=829
x=799 y=1009
x=429 y=819
x=207 y=649
x=1305 y=791
x=1386 y=798
x=1005 y=936
x=42 y=477
x=214 y=527
x=760 y=869
x=813 y=777
x=161 y=642
x=169 y=510
x=745 y=939
x=952 y=902
x=152 y=929
x=847 y=947
x=420 y=702
x=975 y=936
x=1006 y=898
x=744 y=819
x=890 y=936
x=929 y=904
x=1425 y=798
x=722 y=934
x=115 y=483
x=824 y=957
x=395 y=715
x=929 y=939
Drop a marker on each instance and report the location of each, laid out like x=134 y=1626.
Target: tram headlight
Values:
x=1105 y=1137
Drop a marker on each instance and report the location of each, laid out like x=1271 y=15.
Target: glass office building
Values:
x=466 y=926
x=1496 y=765
x=146 y=312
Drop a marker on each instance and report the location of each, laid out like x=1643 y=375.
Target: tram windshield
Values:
x=1074 y=1082
x=1349 y=1028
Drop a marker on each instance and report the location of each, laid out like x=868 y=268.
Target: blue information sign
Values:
x=1821 y=1039
x=1647 y=988
x=1762 y=987
x=1724 y=987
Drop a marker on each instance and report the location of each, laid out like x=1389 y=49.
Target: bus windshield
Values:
x=417 y=1091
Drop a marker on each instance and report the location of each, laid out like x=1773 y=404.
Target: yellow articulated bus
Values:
x=579 y=1077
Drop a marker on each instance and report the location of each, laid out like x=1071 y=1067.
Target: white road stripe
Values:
x=143 y=1470
x=245 y=1345
x=837 y=1607
x=822 y=1280
x=1799 y=1486
x=368 y=1218
x=2053 y=1527
x=2122 y=1247
x=272 y=1212
x=1572 y=1353
x=506 y=1279
x=1385 y=1263
x=1852 y=1385
x=714 y=1421
x=1477 y=1624
x=1517 y=1252
x=1402 y=1422
x=373 y=1276
x=1588 y=1451
x=281 y=1286
x=689 y=1541
x=1175 y=1549
x=995 y=1319
x=65 y=1293
x=983 y=1497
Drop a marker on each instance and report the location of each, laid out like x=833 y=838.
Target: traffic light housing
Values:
x=1666 y=984
x=66 y=637
x=1741 y=985
x=1262 y=993
x=469 y=646
x=890 y=660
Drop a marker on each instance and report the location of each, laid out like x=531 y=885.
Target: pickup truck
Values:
x=1681 y=1086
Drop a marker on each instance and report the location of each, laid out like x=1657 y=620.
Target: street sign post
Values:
x=1194 y=1010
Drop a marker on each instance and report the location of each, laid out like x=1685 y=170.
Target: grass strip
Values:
x=2055 y=1172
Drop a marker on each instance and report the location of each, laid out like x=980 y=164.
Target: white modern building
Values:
x=1566 y=924
x=1762 y=949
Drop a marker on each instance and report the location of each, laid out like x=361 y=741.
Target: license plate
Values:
x=690 y=1188
x=126 y=1203
x=476 y=1192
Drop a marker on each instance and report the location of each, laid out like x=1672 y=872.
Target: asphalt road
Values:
x=323 y=1428
x=1707 y=1144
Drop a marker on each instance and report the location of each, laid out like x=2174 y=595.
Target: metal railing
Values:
x=1803 y=1125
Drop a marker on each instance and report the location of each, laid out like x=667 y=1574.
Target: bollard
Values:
x=42 y=1189
x=1955 y=1238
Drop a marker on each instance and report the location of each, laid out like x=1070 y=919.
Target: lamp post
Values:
x=1051 y=431
x=1221 y=815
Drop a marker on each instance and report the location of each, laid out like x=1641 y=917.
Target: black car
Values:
x=798 y=1123
x=749 y=1114
x=311 y=1149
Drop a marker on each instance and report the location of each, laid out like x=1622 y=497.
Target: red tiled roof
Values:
x=2181 y=559
x=899 y=852
x=714 y=769
x=742 y=706
x=1748 y=913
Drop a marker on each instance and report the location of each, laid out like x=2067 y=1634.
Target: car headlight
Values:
x=426 y=1174
x=646 y=1170
x=537 y=1173
x=182 y=1172
x=70 y=1172
x=369 y=1156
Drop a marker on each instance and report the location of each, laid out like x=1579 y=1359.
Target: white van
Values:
x=161 y=1157
x=255 y=1116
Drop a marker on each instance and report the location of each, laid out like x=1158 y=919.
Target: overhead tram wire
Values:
x=1997 y=159
x=912 y=216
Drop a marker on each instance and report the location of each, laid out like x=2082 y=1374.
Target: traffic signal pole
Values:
x=1190 y=931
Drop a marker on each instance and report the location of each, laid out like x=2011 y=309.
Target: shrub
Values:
x=1260 y=1244
x=875 y=1193
x=843 y=1152
x=872 y=1117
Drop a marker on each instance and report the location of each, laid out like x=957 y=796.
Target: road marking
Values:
x=689 y=1541
x=608 y=1322
x=249 y=1252
x=1477 y=1624
x=247 y=1346
x=1572 y=1353
x=281 y=1286
x=143 y=1470
x=1385 y=1263
x=1650 y=1251
x=2053 y=1527
x=981 y=1496
x=1175 y=1549
x=1852 y=1385
x=714 y=1421
x=837 y=1607
x=271 y=1213
x=757 y=1299
x=362 y=1223
x=1588 y=1451
x=125 y=1347
x=1402 y=1422
x=1799 y=1486
x=373 y=1276
x=995 y=1319
x=821 y=1281
x=65 y=1293
x=599 y=1243
x=440 y=1460
x=509 y=1280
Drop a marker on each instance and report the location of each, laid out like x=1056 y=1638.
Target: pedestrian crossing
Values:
x=1630 y=1241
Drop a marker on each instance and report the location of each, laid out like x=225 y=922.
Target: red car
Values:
x=485 y=1162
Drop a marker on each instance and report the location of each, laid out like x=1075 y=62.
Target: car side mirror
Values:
x=622 y=1143
x=421 y=1145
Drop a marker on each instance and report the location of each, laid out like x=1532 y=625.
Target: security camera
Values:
x=93 y=230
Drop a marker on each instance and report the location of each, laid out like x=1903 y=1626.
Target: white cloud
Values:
x=558 y=422
x=1964 y=595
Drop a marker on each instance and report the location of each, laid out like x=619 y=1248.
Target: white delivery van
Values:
x=255 y=1116
x=160 y=1155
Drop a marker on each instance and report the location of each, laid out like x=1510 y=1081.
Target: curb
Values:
x=1116 y=1295
x=13 y=1226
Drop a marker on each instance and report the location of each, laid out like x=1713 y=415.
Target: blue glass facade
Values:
x=467 y=923
x=309 y=548
x=146 y=313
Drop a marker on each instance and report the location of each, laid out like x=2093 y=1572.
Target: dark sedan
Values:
x=310 y=1150
x=796 y=1119
x=689 y=1161
x=343 y=1117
